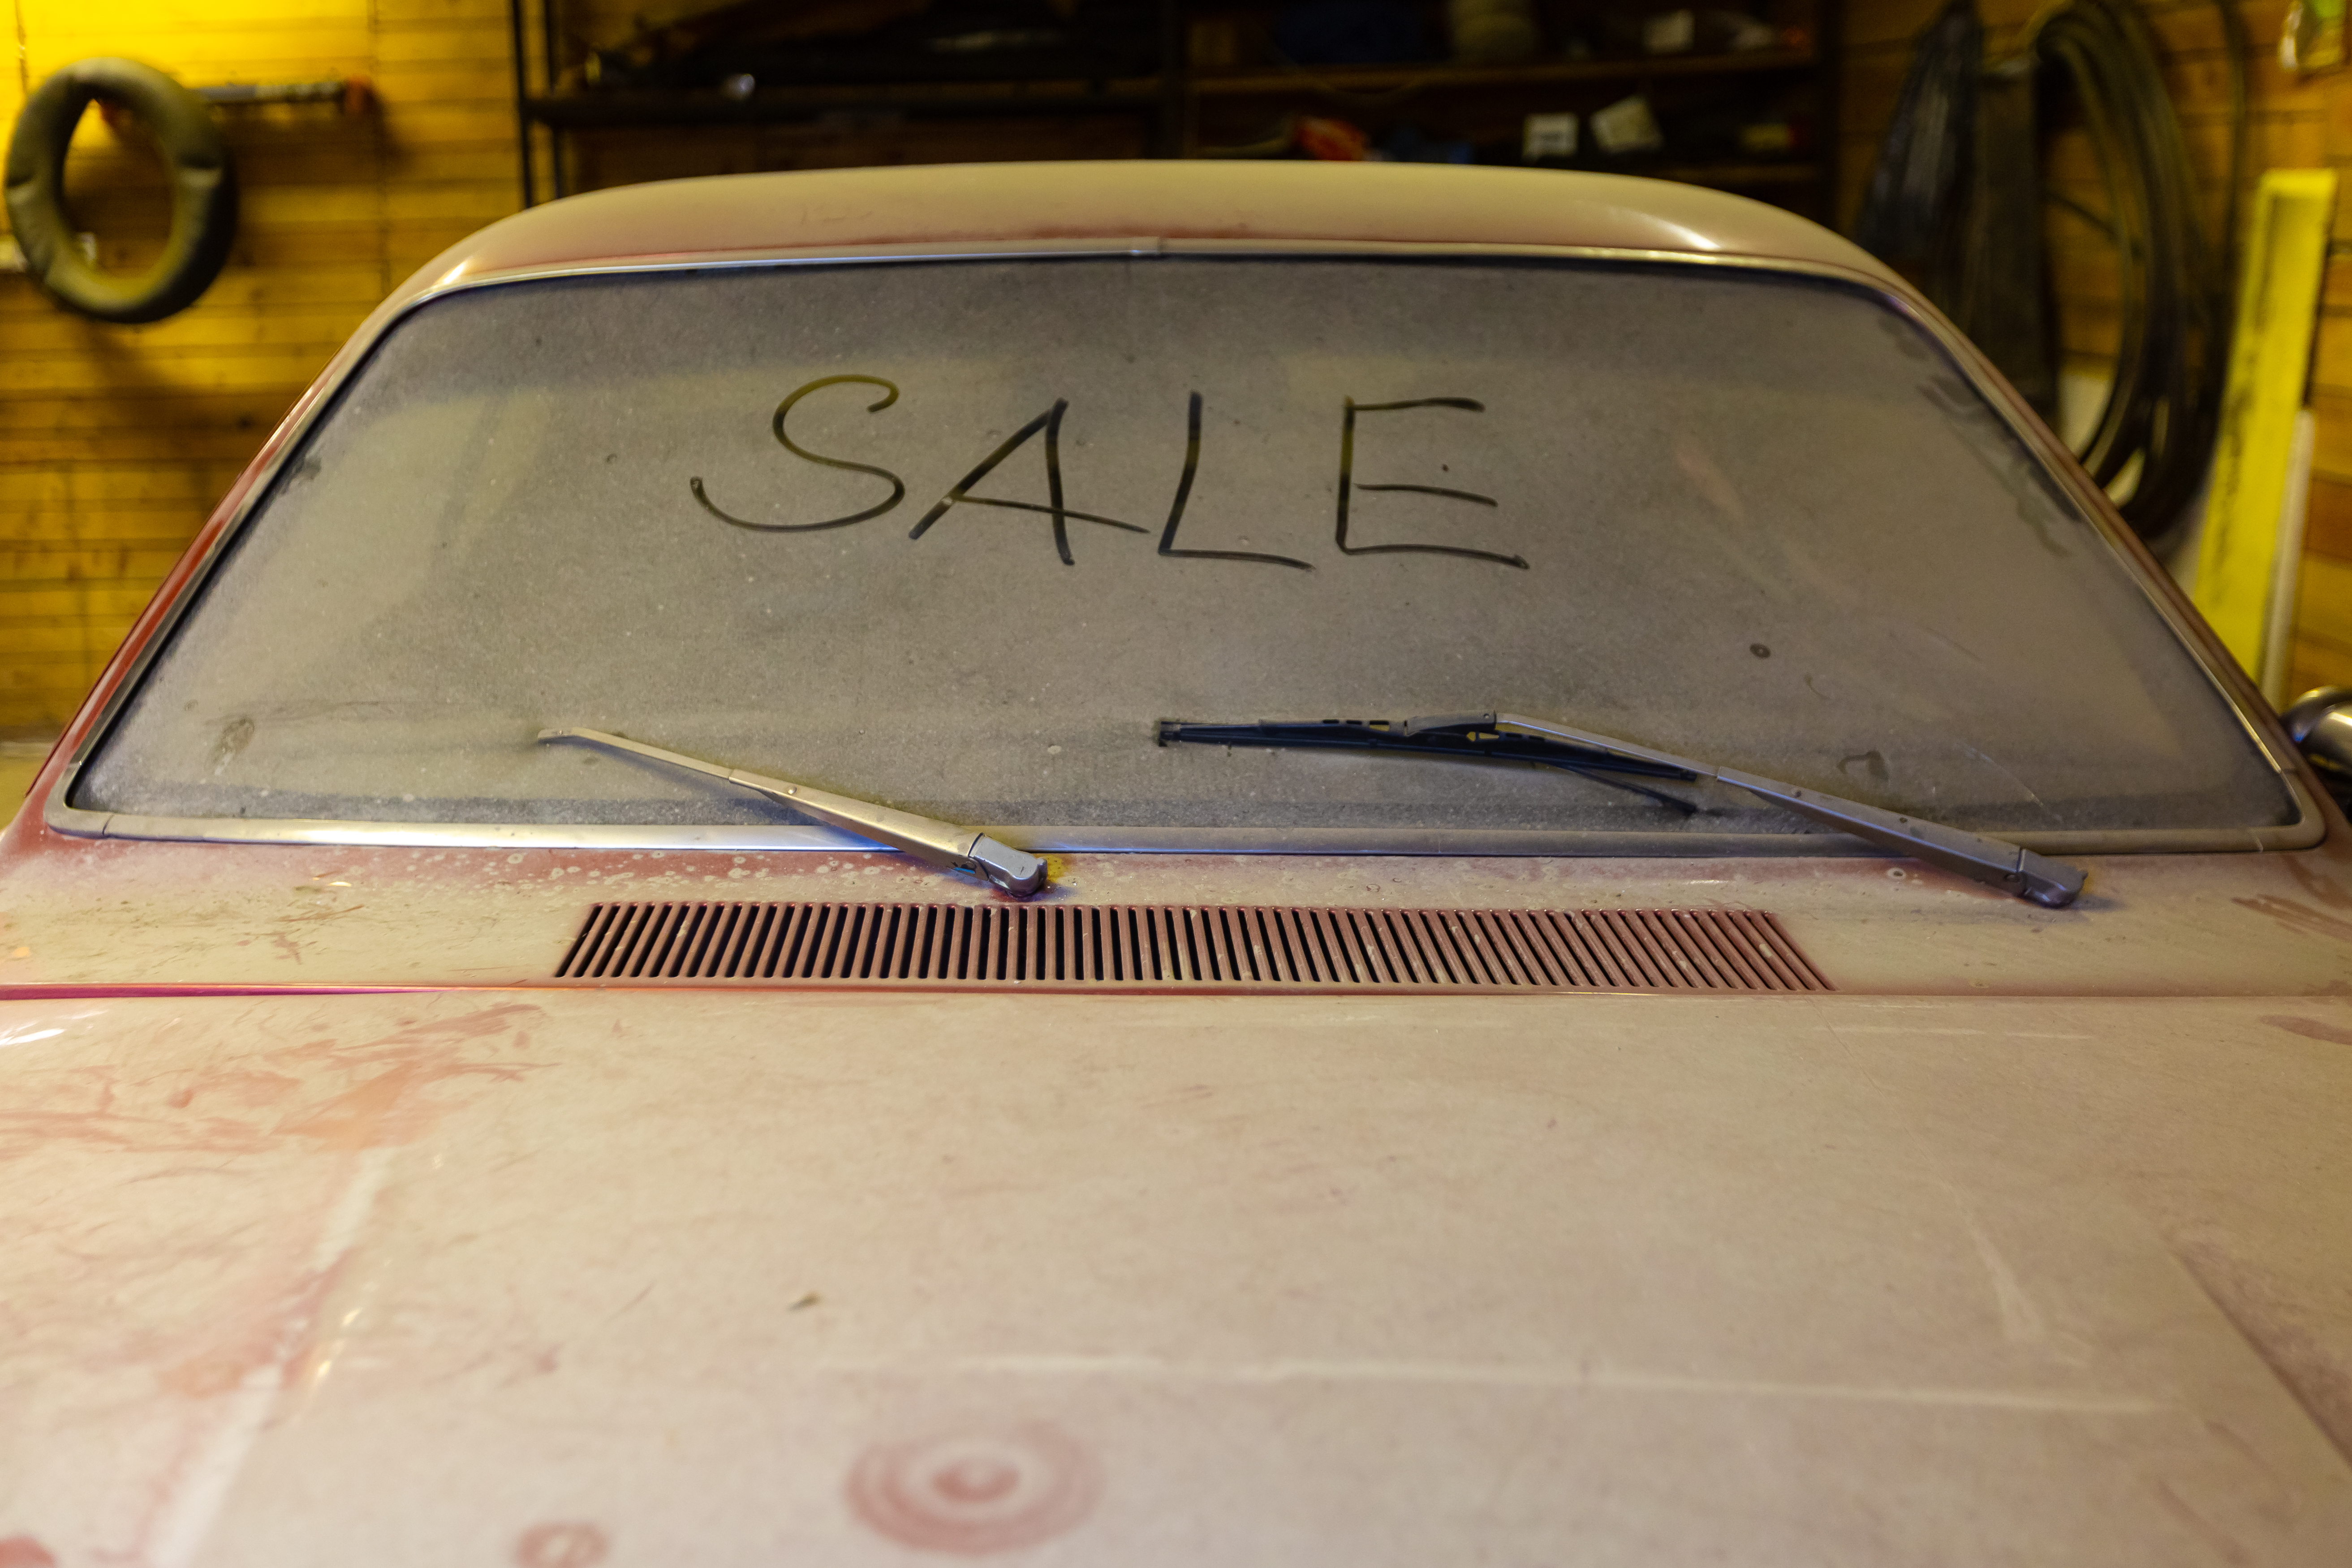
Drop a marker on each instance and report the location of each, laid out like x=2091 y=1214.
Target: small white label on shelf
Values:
x=1670 y=33
x=1627 y=126
x=1549 y=136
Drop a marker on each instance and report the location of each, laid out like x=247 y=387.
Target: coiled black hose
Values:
x=2164 y=408
x=1915 y=186
x=1952 y=188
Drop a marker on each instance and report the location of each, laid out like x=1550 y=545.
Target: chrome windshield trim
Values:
x=2308 y=828
x=740 y=837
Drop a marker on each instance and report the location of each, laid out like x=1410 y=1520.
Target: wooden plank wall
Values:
x=2296 y=123
x=116 y=441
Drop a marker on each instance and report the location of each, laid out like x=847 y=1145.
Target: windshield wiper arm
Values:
x=1508 y=736
x=1001 y=866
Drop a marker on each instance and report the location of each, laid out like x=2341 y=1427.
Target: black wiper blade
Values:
x=1473 y=736
x=1995 y=862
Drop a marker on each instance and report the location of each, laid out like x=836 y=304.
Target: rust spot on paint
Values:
x=214 y=1372
x=263 y=1344
x=2318 y=883
x=2309 y=1028
x=24 y=1551
x=344 y=1097
x=2216 y=1540
x=2286 y=1326
x=565 y=1545
x=2299 y=918
x=976 y=1492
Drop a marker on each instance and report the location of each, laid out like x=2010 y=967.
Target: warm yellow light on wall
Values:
x=2246 y=562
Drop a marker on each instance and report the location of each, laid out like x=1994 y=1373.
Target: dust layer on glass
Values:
x=956 y=536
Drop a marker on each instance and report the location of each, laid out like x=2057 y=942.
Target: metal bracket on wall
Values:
x=354 y=95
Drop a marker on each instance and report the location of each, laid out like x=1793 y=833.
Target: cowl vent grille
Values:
x=1185 y=947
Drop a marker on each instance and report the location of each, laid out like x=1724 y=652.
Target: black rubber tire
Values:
x=203 y=191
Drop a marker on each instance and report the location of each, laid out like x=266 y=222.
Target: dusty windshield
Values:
x=955 y=535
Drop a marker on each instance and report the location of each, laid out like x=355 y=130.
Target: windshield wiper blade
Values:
x=1010 y=870
x=1440 y=738
x=1995 y=862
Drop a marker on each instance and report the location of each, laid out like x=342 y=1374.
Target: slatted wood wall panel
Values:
x=116 y=441
x=2297 y=123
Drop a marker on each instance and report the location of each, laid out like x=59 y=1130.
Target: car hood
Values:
x=550 y=1278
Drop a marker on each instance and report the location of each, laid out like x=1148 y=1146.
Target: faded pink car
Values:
x=1795 y=1014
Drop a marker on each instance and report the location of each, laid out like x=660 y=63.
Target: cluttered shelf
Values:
x=597 y=109
x=758 y=105
x=1739 y=95
x=1733 y=177
x=1285 y=80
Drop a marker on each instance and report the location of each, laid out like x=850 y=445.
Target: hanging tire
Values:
x=203 y=191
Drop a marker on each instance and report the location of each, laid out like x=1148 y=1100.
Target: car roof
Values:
x=988 y=206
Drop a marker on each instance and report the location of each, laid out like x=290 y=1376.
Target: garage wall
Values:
x=116 y=441
x=2295 y=124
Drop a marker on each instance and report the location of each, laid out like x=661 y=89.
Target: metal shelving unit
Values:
x=1173 y=99
x=1438 y=76
x=540 y=107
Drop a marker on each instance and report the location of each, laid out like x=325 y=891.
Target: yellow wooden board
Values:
x=2270 y=358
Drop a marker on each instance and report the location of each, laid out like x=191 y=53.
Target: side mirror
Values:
x=2321 y=724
